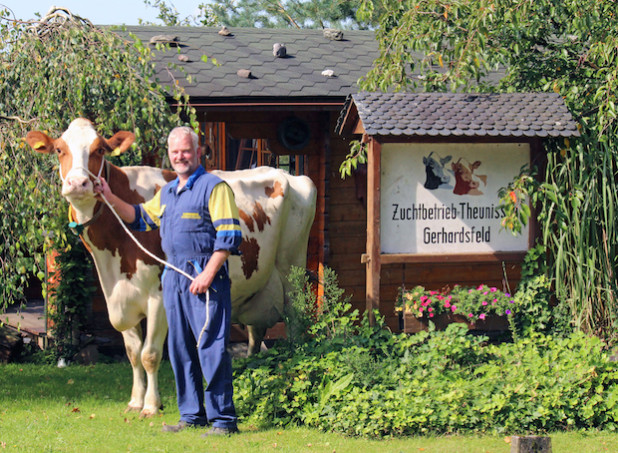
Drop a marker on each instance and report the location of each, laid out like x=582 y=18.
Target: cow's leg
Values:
x=133 y=345
x=256 y=335
x=152 y=353
x=263 y=310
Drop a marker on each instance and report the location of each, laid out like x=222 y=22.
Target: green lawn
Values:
x=80 y=409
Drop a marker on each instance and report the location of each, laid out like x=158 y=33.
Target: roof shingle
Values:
x=297 y=75
x=460 y=114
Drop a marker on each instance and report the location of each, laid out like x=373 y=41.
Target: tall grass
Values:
x=579 y=227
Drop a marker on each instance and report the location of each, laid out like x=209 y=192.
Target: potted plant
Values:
x=480 y=308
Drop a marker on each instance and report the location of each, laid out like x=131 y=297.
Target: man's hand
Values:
x=203 y=281
x=124 y=209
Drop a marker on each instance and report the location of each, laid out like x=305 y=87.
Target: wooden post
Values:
x=373 y=264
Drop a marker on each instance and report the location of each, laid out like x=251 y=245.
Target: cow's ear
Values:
x=425 y=160
x=476 y=164
x=40 y=142
x=446 y=159
x=121 y=141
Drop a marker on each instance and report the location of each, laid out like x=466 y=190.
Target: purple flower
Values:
x=508 y=312
x=511 y=301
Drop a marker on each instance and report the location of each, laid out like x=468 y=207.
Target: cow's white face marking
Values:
x=76 y=184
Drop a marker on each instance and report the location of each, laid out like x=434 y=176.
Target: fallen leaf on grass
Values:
x=92 y=416
x=75 y=409
x=70 y=382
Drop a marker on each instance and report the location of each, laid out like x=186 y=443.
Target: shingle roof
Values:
x=458 y=114
x=298 y=75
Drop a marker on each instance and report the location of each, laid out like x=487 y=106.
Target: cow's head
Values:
x=80 y=151
x=466 y=182
x=435 y=171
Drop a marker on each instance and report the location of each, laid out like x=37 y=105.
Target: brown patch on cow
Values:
x=65 y=158
x=260 y=216
x=247 y=219
x=107 y=233
x=168 y=175
x=250 y=252
x=275 y=191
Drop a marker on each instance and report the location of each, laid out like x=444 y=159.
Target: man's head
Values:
x=183 y=151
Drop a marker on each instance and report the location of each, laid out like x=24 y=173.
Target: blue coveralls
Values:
x=188 y=238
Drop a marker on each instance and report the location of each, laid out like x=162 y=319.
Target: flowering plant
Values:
x=472 y=302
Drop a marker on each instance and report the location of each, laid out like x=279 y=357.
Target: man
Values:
x=199 y=227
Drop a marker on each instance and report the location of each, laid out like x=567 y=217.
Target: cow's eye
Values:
x=58 y=151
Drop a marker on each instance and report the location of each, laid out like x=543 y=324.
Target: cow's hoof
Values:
x=147 y=413
x=132 y=409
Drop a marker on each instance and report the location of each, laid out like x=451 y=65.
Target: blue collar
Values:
x=189 y=185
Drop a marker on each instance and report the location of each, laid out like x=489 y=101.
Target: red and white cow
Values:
x=466 y=181
x=276 y=210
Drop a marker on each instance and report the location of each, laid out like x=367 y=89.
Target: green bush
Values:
x=375 y=383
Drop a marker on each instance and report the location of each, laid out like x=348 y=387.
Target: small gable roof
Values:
x=295 y=77
x=531 y=115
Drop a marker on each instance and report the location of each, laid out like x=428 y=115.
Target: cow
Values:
x=276 y=212
x=436 y=175
x=466 y=182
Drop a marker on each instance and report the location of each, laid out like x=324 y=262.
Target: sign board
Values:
x=442 y=198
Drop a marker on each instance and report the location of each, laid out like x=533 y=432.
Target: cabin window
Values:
x=223 y=152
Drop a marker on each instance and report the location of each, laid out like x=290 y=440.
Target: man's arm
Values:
x=125 y=210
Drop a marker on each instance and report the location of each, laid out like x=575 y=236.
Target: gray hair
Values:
x=183 y=131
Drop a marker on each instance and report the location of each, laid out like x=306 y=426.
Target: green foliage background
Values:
x=569 y=47
x=51 y=72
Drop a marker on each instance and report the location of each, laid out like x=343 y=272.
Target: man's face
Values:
x=183 y=157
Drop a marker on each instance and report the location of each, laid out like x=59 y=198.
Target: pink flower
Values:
x=482 y=316
x=480 y=287
x=447 y=304
x=470 y=315
x=493 y=290
x=485 y=293
x=484 y=302
x=453 y=308
x=430 y=309
x=423 y=298
x=470 y=291
x=431 y=315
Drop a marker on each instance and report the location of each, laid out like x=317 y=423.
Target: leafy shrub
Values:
x=367 y=381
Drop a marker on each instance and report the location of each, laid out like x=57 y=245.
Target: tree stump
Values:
x=530 y=444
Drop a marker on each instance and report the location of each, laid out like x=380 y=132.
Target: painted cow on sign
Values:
x=276 y=212
x=435 y=171
x=466 y=181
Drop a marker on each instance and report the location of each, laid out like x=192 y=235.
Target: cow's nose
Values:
x=78 y=182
